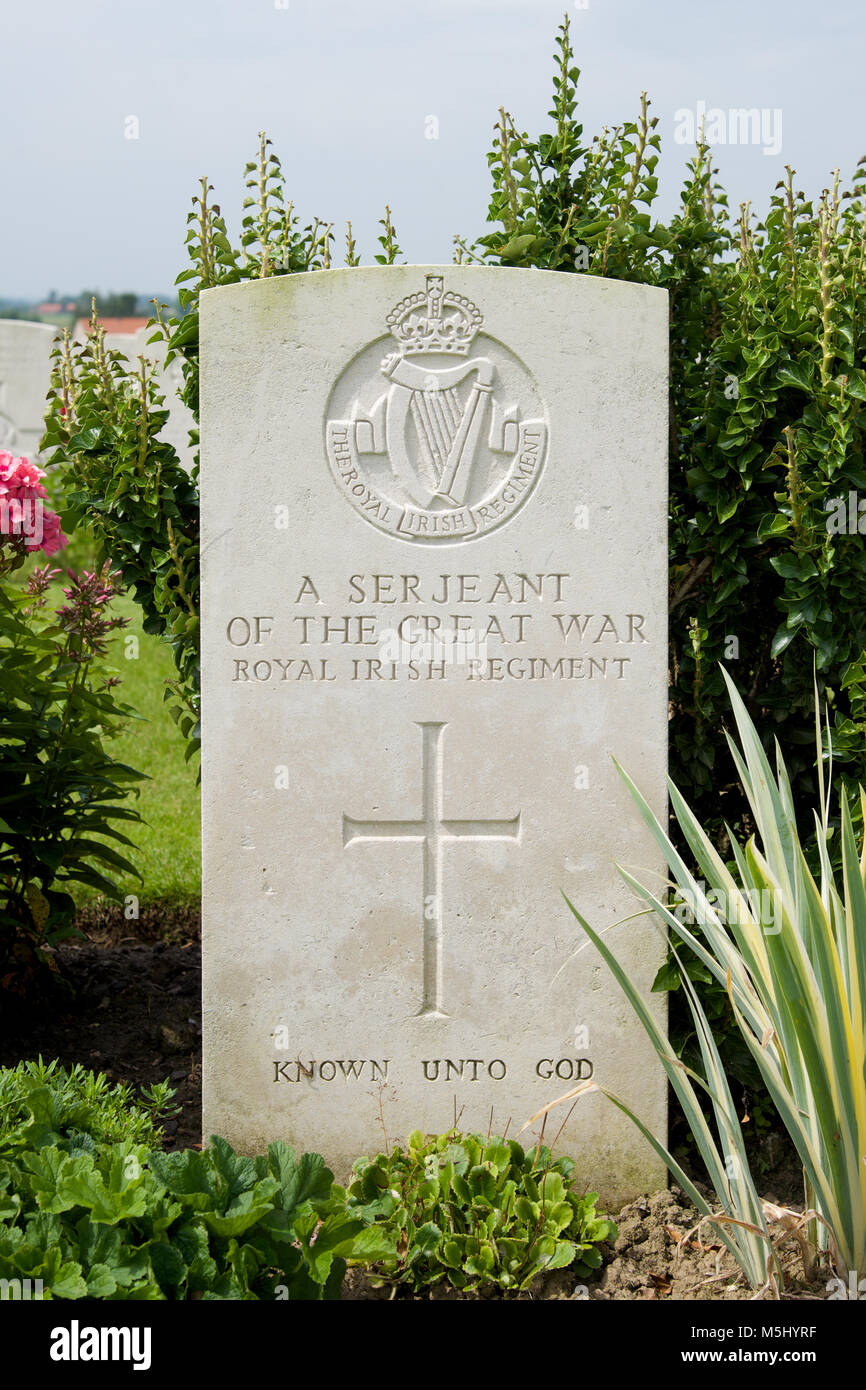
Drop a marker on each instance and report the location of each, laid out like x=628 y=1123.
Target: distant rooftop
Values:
x=112 y=326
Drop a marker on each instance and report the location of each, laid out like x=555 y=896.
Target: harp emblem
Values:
x=426 y=455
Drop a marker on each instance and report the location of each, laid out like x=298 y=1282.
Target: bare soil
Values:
x=132 y=1010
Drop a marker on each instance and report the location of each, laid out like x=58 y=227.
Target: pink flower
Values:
x=19 y=477
x=22 y=495
x=25 y=492
x=82 y=618
x=37 y=585
x=51 y=544
x=53 y=538
x=40 y=579
x=27 y=475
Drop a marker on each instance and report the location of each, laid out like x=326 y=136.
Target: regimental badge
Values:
x=444 y=437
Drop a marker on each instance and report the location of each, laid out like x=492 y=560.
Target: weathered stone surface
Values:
x=25 y=371
x=389 y=453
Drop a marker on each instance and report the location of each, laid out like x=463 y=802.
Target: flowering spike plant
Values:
x=61 y=793
x=82 y=617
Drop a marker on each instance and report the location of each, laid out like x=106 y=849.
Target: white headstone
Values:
x=25 y=373
x=391 y=456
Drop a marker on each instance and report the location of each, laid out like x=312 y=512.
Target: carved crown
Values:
x=437 y=320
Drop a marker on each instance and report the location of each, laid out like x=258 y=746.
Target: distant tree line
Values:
x=115 y=304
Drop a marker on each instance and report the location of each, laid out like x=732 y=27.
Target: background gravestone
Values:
x=25 y=377
x=25 y=373
x=390 y=455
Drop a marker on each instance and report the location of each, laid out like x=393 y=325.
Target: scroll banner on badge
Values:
x=343 y=452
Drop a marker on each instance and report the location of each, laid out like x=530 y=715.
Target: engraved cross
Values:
x=432 y=831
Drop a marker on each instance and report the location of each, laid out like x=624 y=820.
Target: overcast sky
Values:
x=345 y=90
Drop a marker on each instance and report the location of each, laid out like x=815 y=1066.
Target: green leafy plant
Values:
x=767 y=444
x=62 y=795
x=768 y=417
x=92 y=1208
x=477 y=1213
x=129 y=488
x=791 y=952
x=45 y=1102
x=105 y=416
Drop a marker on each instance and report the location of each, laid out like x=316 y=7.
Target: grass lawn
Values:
x=168 y=843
